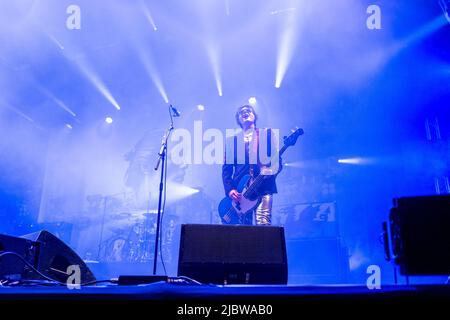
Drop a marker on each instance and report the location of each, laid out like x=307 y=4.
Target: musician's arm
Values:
x=227 y=174
x=229 y=183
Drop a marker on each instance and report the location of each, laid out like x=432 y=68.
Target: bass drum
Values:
x=117 y=250
x=141 y=242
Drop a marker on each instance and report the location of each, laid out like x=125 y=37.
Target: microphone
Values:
x=175 y=112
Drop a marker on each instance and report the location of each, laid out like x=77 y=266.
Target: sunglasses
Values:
x=245 y=110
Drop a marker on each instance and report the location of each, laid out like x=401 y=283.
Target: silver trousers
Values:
x=263 y=212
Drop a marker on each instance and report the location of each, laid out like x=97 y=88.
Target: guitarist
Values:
x=248 y=162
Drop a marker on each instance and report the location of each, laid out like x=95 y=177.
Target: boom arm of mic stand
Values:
x=163 y=147
x=160 y=154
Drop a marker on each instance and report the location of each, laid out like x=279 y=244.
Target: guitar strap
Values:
x=243 y=170
x=248 y=168
x=268 y=132
x=255 y=148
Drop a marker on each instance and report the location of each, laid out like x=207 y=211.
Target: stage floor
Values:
x=183 y=301
x=163 y=291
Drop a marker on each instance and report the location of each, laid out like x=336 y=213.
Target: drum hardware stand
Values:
x=105 y=201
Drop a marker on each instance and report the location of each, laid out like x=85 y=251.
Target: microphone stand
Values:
x=162 y=160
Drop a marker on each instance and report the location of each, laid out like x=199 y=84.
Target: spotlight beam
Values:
x=213 y=56
x=356 y=161
x=286 y=48
x=426 y=30
x=51 y=96
x=227 y=7
x=445 y=5
x=20 y=113
x=148 y=15
x=415 y=37
x=55 y=41
x=282 y=11
x=97 y=82
x=154 y=75
x=57 y=101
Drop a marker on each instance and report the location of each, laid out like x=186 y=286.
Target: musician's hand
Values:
x=234 y=195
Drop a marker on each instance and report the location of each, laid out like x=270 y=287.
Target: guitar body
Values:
x=232 y=212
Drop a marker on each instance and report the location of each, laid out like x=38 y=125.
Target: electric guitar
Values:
x=232 y=212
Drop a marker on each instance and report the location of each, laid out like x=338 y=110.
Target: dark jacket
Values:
x=241 y=159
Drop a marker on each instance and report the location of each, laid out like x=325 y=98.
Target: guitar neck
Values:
x=283 y=149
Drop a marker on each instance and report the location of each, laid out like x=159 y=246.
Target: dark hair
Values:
x=242 y=107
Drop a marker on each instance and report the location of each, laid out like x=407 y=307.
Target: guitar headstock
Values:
x=292 y=138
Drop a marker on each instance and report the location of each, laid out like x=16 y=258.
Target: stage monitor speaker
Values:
x=11 y=267
x=420 y=235
x=54 y=257
x=230 y=254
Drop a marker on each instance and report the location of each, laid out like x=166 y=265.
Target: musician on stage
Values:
x=249 y=161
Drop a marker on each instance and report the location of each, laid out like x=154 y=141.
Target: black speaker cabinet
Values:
x=55 y=256
x=230 y=254
x=420 y=235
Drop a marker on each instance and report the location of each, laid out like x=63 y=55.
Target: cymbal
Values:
x=121 y=215
x=135 y=214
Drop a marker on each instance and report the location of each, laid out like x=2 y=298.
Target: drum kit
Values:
x=128 y=234
x=132 y=237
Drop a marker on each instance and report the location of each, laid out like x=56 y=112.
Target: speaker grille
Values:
x=234 y=254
